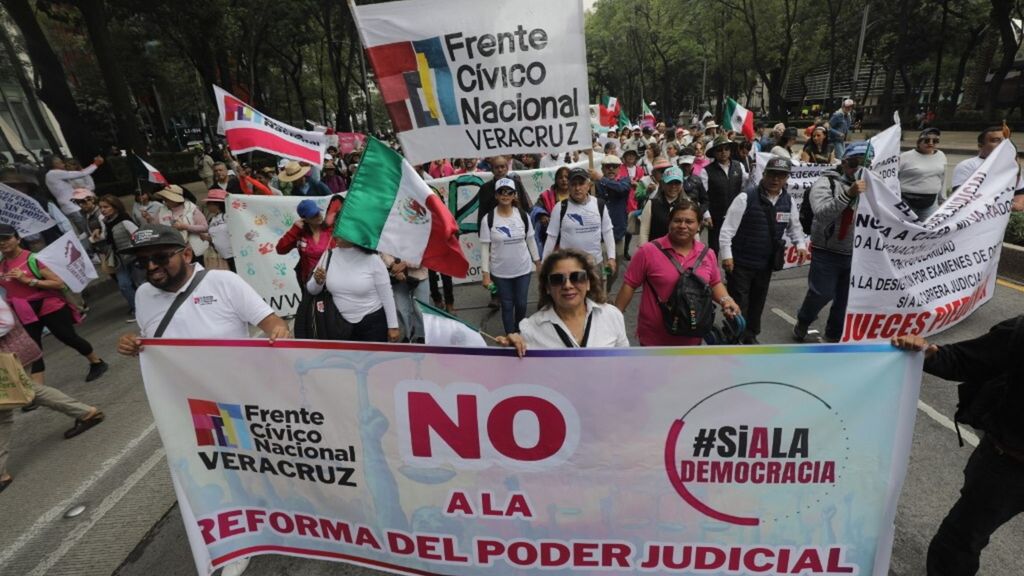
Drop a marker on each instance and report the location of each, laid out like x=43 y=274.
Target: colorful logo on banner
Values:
x=236 y=110
x=411 y=74
x=219 y=424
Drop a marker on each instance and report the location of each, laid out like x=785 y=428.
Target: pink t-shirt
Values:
x=650 y=266
x=20 y=295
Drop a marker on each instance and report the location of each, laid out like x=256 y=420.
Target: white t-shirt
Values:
x=510 y=244
x=607 y=328
x=222 y=307
x=583 y=228
x=964 y=170
x=922 y=174
x=359 y=284
x=220 y=237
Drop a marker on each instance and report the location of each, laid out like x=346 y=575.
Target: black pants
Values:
x=749 y=288
x=992 y=494
x=446 y=281
x=62 y=326
x=372 y=328
x=713 y=233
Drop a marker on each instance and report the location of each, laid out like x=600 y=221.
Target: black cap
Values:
x=928 y=132
x=579 y=172
x=778 y=164
x=155 y=235
x=6 y=230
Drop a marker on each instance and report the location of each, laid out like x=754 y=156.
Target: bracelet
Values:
x=724 y=299
x=33 y=282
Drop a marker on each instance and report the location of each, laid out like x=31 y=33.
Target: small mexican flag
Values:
x=442 y=329
x=648 y=119
x=391 y=209
x=738 y=119
x=610 y=110
x=152 y=174
x=623 y=119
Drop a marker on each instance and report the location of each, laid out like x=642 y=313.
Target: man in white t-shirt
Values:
x=987 y=141
x=220 y=307
x=585 y=225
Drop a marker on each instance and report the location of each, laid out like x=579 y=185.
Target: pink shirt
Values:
x=699 y=164
x=20 y=294
x=650 y=266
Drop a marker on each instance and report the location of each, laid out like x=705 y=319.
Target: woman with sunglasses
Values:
x=508 y=253
x=39 y=302
x=923 y=174
x=652 y=269
x=572 y=312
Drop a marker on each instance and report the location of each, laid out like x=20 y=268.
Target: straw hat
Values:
x=174 y=193
x=292 y=171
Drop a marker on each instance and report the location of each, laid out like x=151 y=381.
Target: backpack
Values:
x=806 y=213
x=565 y=207
x=689 y=309
x=980 y=404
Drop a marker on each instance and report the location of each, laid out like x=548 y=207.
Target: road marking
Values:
x=1010 y=285
x=57 y=511
x=967 y=435
x=105 y=506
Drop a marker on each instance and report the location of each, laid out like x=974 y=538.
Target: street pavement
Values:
x=131 y=527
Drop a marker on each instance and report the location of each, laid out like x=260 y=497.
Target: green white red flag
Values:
x=443 y=329
x=738 y=119
x=152 y=174
x=610 y=110
x=391 y=209
x=648 y=119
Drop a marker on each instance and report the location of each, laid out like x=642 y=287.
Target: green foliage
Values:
x=1015 y=229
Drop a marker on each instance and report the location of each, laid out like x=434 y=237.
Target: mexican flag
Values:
x=648 y=119
x=610 y=110
x=738 y=119
x=623 y=119
x=443 y=329
x=152 y=174
x=391 y=209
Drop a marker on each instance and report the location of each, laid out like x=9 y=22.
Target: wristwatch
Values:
x=33 y=282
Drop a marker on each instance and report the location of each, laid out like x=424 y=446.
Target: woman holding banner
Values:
x=35 y=293
x=572 y=311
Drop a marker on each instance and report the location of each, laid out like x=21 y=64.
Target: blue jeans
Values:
x=840 y=148
x=409 y=319
x=125 y=284
x=513 y=292
x=828 y=281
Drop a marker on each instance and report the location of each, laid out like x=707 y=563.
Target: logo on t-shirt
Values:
x=203 y=300
x=504 y=230
x=578 y=218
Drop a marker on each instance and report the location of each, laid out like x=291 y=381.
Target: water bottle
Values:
x=493 y=288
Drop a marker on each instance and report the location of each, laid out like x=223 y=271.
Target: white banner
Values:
x=247 y=129
x=464 y=78
x=911 y=277
x=23 y=212
x=67 y=259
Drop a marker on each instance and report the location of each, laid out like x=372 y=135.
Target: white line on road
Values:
x=57 y=511
x=934 y=414
x=105 y=506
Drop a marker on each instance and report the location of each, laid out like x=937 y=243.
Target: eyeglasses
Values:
x=505 y=192
x=576 y=277
x=159 y=260
x=930 y=140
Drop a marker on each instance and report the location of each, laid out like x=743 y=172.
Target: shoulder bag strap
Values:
x=178 y=301
x=700 y=257
x=567 y=340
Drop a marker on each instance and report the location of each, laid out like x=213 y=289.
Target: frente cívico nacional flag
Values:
x=247 y=129
x=152 y=174
x=738 y=119
x=465 y=78
x=391 y=209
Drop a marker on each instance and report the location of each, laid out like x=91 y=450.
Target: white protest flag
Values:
x=442 y=329
x=23 y=212
x=885 y=153
x=910 y=277
x=247 y=129
x=67 y=259
x=464 y=78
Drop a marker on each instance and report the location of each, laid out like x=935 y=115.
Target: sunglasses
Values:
x=930 y=140
x=162 y=259
x=505 y=192
x=558 y=279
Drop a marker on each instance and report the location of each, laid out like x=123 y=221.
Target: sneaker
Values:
x=800 y=332
x=829 y=340
x=30 y=406
x=96 y=370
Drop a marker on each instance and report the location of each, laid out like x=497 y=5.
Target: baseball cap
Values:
x=505 y=183
x=859 y=148
x=580 y=173
x=216 y=195
x=687 y=159
x=82 y=194
x=778 y=164
x=610 y=160
x=928 y=132
x=155 y=235
x=673 y=174
x=307 y=209
x=6 y=231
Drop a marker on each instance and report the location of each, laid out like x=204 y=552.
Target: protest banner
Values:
x=23 y=212
x=488 y=78
x=349 y=142
x=67 y=259
x=911 y=277
x=246 y=129
x=425 y=460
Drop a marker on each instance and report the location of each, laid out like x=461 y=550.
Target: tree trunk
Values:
x=934 y=99
x=1001 y=19
x=896 y=62
x=53 y=88
x=979 y=70
x=961 y=72
x=94 y=13
x=30 y=93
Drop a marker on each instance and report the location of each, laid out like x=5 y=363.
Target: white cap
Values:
x=505 y=183
x=282 y=163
